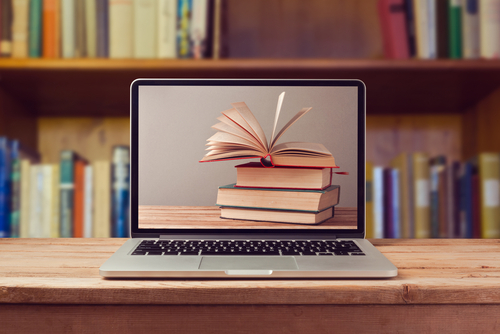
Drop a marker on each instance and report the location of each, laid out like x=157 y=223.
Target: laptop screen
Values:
x=197 y=147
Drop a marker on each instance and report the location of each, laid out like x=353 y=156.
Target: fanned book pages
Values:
x=240 y=136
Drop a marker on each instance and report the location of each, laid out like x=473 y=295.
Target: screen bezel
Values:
x=359 y=232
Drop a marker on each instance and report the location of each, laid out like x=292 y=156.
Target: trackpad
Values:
x=248 y=263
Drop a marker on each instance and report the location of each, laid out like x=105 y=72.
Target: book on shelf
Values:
x=425 y=28
x=403 y=163
x=5 y=28
x=102 y=28
x=391 y=203
x=20 y=28
x=240 y=136
x=15 y=190
x=145 y=28
x=68 y=28
x=121 y=29
x=90 y=26
x=437 y=196
x=120 y=192
x=88 y=200
x=489 y=187
x=453 y=203
x=184 y=9
x=80 y=40
x=51 y=28
x=102 y=199
x=421 y=195
x=5 y=189
x=392 y=17
x=79 y=165
x=50 y=200
x=410 y=28
x=278 y=216
x=167 y=29
x=455 y=28
x=489 y=28
x=36 y=228
x=283 y=199
x=35 y=29
x=466 y=200
x=201 y=25
x=378 y=202
x=369 y=227
x=254 y=175
x=470 y=29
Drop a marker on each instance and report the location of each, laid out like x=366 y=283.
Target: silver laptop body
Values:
x=171 y=120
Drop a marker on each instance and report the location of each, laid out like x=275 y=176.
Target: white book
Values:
x=88 y=206
x=167 y=28
x=470 y=29
x=378 y=202
x=47 y=200
x=145 y=28
x=121 y=29
x=36 y=198
x=489 y=28
x=68 y=28
x=425 y=28
x=199 y=28
x=102 y=199
x=24 y=219
x=91 y=28
x=55 y=229
x=20 y=28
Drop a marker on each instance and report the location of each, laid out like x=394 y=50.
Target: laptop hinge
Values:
x=169 y=237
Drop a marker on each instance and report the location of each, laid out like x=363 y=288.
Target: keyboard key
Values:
x=155 y=253
x=341 y=253
x=357 y=253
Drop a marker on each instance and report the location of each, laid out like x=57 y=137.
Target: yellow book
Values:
x=369 y=228
x=421 y=195
x=489 y=184
x=102 y=199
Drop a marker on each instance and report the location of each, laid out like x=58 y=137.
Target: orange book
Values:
x=78 y=198
x=51 y=28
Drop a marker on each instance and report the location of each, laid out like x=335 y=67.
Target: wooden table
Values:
x=53 y=285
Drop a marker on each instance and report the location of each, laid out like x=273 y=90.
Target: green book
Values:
x=455 y=29
x=35 y=29
x=67 y=188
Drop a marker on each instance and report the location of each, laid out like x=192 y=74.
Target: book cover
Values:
x=489 y=187
x=200 y=29
x=240 y=136
x=51 y=28
x=453 y=204
x=389 y=210
x=277 y=216
x=102 y=28
x=421 y=196
x=5 y=166
x=35 y=29
x=91 y=28
x=121 y=29
x=67 y=188
x=15 y=191
x=455 y=28
x=47 y=200
x=167 y=29
x=36 y=228
x=88 y=207
x=20 y=28
x=6 y=17
x=378 y=202
x=470 y=29
x=184 y=8
x=120 y=192
x=55 y=226
x=425 y=28
x=283 y=199
x=254 y=175
x=80 y=38
x=68 y=28
x=369 y=226
x=394 y=29
x=24 y=219
x=466 y=200
x=404 y=165
x=410 y=28
x=145 y=28
x=78 y=197
x=102 y=199
x=489 y=29
x=443 y=28
x=437 y=196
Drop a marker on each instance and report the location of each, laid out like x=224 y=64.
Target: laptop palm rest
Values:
x=248 y=265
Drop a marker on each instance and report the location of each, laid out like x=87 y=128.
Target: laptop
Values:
x=178 y=228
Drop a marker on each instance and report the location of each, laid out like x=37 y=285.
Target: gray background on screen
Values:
x=175 y=122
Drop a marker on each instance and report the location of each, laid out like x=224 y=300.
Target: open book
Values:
x=240 y=136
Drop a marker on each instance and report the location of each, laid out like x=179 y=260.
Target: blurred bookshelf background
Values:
x=433 y=100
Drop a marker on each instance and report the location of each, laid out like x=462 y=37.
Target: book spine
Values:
x=378 y=202
x=432 y=28
x=410 y=28
x=24 y=218
x=489 y=28
x=66 y=193
x=5 y=28
x=394 y=31
x=437 y=197
x=396 y=204
x=489 y=186
x=470 y=29
x=466 y=200
x=46 y=201
x=50 y=28
x=20 y=28
x=102 y=199
x=120 y=188
x=78 y=198
x=102 y=28
x=80 y=38
x=455 y=28
x=68 y=28
x=145 y=28
x=388 y=204
x=453 y=191
x=121 y=29
x=91 y=28
x=369 y=227
x=55 y=226
x=167 y=29
x=88 y=207
x=421 y=195
x=15 y=178
x=442 y=13
x=184 y=8
x=199 y=29
x=36 y=194
x=443 y=202
x=35 y=29
x=4 y=188
x=421 y=28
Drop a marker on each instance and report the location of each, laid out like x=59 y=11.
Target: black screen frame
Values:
x=359 y=232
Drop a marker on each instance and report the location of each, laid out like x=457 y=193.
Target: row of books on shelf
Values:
x=423 y=197
x=73 y=198
x=107 y=28
x=431 y=29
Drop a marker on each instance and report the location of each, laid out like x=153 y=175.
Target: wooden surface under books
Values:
x=209 y=217
x=443 y=285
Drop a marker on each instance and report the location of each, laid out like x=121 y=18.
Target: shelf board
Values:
x=94 y=87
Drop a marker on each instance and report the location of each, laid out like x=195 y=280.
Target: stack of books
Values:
x=300 y=195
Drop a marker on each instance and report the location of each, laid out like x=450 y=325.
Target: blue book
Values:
x=466 y=201
x=396 y=207
x=184 y=8
x=4 y=187
x=15 y=189
x=120 y=224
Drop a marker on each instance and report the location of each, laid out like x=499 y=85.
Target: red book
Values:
x=394 y=29
x=50 y=29
x=79 y=198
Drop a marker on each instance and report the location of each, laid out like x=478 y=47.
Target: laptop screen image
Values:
x=187 y=174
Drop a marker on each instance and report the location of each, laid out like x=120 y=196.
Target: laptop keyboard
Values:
x=248 y=247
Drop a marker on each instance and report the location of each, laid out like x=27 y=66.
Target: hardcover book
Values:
x=278 y=216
